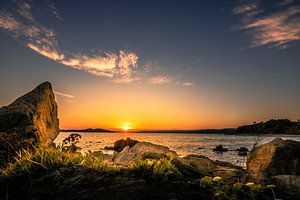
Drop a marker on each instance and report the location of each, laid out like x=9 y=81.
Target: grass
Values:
x=49 y=158
x=161 y=169
x=52 y=169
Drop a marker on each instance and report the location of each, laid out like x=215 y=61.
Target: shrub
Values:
x=69 y=143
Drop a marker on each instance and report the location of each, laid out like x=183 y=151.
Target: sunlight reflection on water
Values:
x=183 y=144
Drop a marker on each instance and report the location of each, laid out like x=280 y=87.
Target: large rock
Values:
x=275 y=158
x=142 y=150
x=192 y=165
x=31 y=119
x=36 y=109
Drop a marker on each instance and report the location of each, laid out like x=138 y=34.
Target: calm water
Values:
x=183 y=144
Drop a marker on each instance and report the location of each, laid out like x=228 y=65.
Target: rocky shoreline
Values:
x=137 y=170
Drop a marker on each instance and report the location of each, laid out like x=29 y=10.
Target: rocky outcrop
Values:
x=143 y=150
x=29 y=120
x=275 y=158
x=34 y=110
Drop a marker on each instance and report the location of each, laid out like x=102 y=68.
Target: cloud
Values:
x=188 y=84
x=64 y=95
x=45 y=51
x=18 y=20
x=8 y=23
x=54 y=10
x=277 y=29
x=285 y=2
x=168 y=80
x=250 y=8
x=161 y=80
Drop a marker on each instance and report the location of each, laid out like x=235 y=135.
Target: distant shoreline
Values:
x=182 y=132
x=88 y=130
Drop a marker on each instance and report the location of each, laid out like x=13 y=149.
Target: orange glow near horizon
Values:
x=149 y=108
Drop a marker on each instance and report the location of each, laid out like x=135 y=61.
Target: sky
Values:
x=155 y=64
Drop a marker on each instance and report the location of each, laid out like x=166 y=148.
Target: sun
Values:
x=125 y=127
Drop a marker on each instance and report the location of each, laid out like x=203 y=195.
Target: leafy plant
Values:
x=69 y=143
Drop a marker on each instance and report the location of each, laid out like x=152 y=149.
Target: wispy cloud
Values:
x=64 y=95
x=168 y=80
x=249 y=8
x=277 y=29
x=188 y=84
x=285 y=2
x=19 y=21
x=161 y=80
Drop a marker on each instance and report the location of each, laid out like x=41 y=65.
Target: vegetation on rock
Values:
x=282 y=126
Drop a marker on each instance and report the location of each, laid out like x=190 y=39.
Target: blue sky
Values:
x=232 y=61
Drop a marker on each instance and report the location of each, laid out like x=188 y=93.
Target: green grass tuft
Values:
x=53 y=158
x=160 y=170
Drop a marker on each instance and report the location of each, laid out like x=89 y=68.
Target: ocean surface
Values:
x=184 y=144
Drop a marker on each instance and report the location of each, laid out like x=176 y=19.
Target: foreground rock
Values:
x=143 y=150
x=190 y=166
x=290 y=183
x=31 y=119
x=275 y=158
x=199 y=166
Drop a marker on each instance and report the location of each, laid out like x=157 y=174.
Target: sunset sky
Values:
x=162 y=64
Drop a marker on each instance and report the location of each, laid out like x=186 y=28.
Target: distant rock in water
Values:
x=275 y=158
x=32 y=117
x=220 y=148
x=242 y=151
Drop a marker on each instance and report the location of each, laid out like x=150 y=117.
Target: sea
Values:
x=183 y=143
